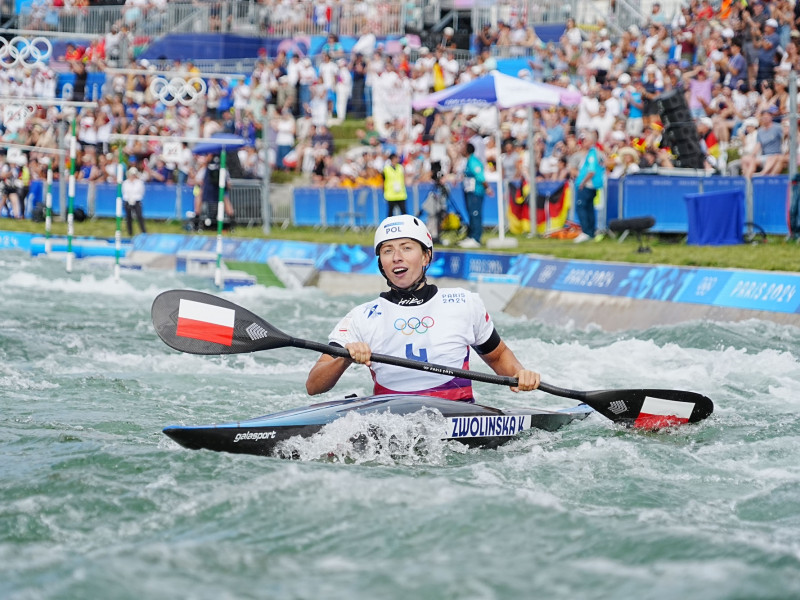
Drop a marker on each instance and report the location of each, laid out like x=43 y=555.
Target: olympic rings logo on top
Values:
x=414 y=325
x=172 y=91
x=21 y=52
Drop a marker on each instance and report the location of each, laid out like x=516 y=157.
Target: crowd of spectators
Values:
x=731 y=62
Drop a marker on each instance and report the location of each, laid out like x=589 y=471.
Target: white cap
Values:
x=448 y=31
x=624 y=79
x=133 y=171
x=402 y=226
x=771 y=23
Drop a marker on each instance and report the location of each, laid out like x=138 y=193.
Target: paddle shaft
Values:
x=434 y=368
x=251 y=333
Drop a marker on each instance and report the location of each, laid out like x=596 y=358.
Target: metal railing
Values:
x=279 y=20
x=532 y=12
x=98 y=20
x=307 y=18
x=245 y=196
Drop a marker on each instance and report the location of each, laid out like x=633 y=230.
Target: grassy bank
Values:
x=774 y=254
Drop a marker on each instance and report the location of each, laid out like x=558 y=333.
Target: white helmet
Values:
x=402 y=226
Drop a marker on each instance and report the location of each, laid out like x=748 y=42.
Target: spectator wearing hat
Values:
x=700 y=86
x=725 y=115
x=475 y=189
x=767 y=152
x=748 y=141
x=627 y=163
x=736 y=66
x=634 y=99
x=448 y=41
x=600 y=64
x=133 y=194
x=477 y=140
x=653 y=86
x=708 y=142
x=590 y=179
x=767 y=51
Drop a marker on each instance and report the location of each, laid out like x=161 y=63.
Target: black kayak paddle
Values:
x=200 y=323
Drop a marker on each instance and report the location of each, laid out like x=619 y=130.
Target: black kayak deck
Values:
x=472 y=424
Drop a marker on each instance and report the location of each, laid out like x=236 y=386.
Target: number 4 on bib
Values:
x=421 y=357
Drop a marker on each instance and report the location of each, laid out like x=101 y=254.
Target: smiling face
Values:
x=403 y=261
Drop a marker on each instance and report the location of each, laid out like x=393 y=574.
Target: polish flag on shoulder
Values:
x=205 y=322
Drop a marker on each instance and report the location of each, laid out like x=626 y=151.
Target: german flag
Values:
x=552 y=209
x=519 y=212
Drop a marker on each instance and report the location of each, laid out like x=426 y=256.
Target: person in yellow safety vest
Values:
x=24 y=186
x=394 y=185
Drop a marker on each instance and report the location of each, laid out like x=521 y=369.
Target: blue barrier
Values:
x=308 y=206
x=770 y=203
x=612 y=199
x=655 y=195
x=314 y=206
x=659 y=197
x=159 y=202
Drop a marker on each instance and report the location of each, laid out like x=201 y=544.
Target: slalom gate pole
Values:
x=73 y=143
x=220 y=216
x=118 y=230
x=48 y=209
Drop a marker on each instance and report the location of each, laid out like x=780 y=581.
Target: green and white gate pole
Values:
x=48 y=209
x=118 y=231
x=73 y=143
x=220 y=216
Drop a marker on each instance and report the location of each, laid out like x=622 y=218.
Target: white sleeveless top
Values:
x=439 y=331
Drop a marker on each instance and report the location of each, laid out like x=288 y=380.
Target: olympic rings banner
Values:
x=177 y=90
x=23 y=52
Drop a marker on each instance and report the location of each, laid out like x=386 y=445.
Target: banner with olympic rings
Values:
x=178 y=90
x=23 y=52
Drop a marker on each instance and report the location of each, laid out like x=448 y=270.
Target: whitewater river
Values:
x=95 y=502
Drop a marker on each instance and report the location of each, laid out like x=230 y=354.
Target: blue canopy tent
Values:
x=502 y=91
x=219 y=142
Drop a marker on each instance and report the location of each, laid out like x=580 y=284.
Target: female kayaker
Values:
x=419 y=321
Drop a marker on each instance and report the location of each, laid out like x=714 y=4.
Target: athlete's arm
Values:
x=504 y=362
x=328 y=369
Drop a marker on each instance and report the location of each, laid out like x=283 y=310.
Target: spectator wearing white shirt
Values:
x=344 y=89
x=132 y=195
x=449 y=66
x=241 y=98
x=328 y=72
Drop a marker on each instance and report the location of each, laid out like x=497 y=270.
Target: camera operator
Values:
x=11 y=190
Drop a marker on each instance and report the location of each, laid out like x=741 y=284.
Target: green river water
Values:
x=95 y=502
